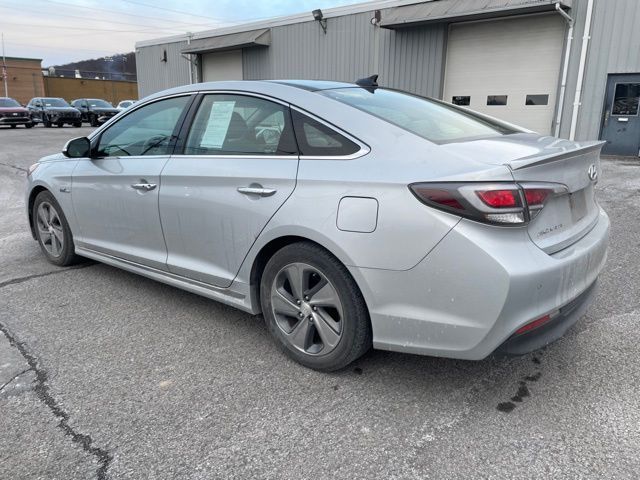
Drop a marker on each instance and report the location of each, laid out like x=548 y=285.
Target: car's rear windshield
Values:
x=434 y=120
x=96 y=102
x=55 y=102
x=8 y=103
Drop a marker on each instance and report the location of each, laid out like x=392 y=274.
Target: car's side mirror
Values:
x=77 y=148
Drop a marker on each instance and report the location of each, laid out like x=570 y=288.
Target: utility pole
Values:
x=4 y=69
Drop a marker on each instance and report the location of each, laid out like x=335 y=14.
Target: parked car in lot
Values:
x=94 y=110
x=124 y=104
x=13 y=114
x=350 y=215
x=53 y=111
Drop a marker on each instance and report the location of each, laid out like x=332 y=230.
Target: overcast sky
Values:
x=62 y=31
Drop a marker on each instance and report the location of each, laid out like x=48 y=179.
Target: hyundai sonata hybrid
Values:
x=349 y=215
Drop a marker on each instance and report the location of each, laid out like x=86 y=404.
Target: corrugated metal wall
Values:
x=412 y=58
x=154 y=74
x=614 y=48
x=352 y=48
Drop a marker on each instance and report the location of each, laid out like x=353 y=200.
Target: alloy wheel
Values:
x=50 y=229
x=307 y=309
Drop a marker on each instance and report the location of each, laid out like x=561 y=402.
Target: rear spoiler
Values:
x=580 y=149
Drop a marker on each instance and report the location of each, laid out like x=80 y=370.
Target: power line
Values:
x=22 y=9
x=128 y=14
x=155 y=7
x=91 y=29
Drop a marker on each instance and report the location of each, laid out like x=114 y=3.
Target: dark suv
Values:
x=94 y=110
x=53 y=111
x=14 y=114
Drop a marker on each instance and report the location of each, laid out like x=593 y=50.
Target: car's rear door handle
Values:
x=144 y=186
x=263 y=192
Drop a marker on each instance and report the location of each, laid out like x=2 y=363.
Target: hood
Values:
x=61 y=109
x=105 y=110
x=13 y=110
x=52 y=158
x=514 y=150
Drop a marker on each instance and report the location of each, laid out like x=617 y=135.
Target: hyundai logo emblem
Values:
x=592 y=172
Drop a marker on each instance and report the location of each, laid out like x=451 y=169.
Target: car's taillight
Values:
x=495 y=203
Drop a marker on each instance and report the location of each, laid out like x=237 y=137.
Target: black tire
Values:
x=28 y=125
x=355 y=334
x=77 y=124
x=67 y=254
x=59 y=125
x=47 y=123
x=13 y=126
x=93 y=121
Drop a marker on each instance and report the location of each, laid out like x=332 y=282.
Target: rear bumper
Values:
x=552 y=331
x=477 y=287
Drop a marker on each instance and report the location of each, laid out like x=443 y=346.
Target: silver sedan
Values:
x=350 y=216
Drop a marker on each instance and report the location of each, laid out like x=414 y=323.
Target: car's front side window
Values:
x=145 y=131
x=240 y=125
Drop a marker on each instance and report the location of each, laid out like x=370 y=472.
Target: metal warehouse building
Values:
x=569 y=68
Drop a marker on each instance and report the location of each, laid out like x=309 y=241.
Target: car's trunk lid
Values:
x=566 y=217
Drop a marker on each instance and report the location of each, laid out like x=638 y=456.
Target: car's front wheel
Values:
x=313 y=307
x=52 y=230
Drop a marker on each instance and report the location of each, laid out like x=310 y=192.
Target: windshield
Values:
x=54 y=102
x=94 y=102
x=431 y=119
x=8 y=103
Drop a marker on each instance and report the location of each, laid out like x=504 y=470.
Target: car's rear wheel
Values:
x=47 y=123
x=52 y=230
x=13 y=126
x=77 y=124
x=28 y=125
x=93 y=121
x=313 y=307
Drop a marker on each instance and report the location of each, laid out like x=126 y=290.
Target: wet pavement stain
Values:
x=523 y=390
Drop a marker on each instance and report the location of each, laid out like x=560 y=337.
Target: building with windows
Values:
x=569 y=68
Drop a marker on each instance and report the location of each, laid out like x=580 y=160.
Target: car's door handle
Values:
x=263 y=192
x=144 y=186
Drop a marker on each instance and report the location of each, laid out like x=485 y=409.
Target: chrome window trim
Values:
x=364 y=148
x=246 y=94
x=242 y=157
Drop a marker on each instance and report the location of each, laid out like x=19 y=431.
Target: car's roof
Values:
x=314 y=85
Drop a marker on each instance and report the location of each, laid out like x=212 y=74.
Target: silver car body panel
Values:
x=433 y=283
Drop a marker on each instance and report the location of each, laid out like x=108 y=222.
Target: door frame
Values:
x=605 y=101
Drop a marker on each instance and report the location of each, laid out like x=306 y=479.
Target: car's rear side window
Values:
x=433 y=120
x=228 y=124
x=318 y=140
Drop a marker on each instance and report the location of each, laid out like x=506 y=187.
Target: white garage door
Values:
x=222 y=66
x=507 y=68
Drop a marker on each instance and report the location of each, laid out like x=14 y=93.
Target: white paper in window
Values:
x=218 y=124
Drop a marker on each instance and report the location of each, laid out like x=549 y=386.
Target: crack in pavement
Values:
x=43 y=393
x=14 y=166
x=14 y=281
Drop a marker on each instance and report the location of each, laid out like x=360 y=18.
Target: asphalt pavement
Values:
x=105 y=374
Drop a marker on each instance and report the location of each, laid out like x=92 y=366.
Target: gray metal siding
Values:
x=154 y=74
x=352 y=48
x=614 y=48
